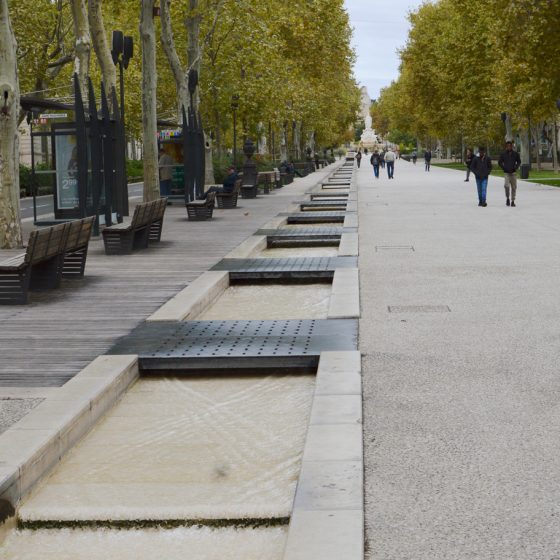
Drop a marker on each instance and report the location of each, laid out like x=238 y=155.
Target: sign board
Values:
x=67 y=172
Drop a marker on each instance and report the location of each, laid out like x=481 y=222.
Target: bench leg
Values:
x=14 y=287
x=46 y=275
x=155 y=231
x=75 y=263
x=141 y=238
x=118 y=243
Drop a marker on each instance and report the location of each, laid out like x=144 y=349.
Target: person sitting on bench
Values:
x=228 y=185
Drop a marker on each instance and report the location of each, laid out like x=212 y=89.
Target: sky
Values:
x=380 y=28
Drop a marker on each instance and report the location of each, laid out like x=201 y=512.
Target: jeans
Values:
x=376 y=170
x=165 y=187
x=390 y=169
x=427 y=165
x=481 y=185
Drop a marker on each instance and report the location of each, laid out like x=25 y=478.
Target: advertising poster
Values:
x=66 y=172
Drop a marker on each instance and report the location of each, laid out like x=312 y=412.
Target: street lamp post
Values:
x=122 y=51
x=234 y=106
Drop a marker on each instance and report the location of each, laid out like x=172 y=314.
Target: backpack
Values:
x=375 y=159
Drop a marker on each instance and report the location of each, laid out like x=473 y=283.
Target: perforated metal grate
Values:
x=305 y=266
x=316 y=217
x=230 y=345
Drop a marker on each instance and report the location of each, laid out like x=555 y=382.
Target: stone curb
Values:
x=328 y=516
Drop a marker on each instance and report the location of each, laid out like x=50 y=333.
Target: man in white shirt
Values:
x=390 y=158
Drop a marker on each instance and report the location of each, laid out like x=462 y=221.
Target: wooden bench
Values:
x=200 y=210
x=145 y=226
x=229 y=200
x=265 y=181
x=52 y=253
x=249 y=190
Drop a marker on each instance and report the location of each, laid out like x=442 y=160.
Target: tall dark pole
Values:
x=234 y=105
x=121 y=85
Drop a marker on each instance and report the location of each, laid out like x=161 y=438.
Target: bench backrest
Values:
x=145 y=213
x=79 y=233
x=46 y=243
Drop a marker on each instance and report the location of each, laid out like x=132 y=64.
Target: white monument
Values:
x=369 y=138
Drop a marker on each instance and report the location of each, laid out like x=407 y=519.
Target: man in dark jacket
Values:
x=509 y=162
x=228 y=185
x=481 y=167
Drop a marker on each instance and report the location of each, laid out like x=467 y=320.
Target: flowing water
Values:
x=286 y=252
x=177 y=449
x=270 y=301
x=146 y=544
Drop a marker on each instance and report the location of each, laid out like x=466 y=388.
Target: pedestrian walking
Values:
x=359 y=158
x=427 y=159
x=390 y=158
x=481 y=167
x=375 y=161
x=165 y=165
x=468 y=162
x=382 y=159
x=414 y=157
x=509 y=162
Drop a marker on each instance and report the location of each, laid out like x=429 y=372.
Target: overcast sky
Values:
x=380 y=28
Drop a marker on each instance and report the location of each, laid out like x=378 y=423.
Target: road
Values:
x=45 y=203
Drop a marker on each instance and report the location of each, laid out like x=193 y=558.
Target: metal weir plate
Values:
x=312 y=231
x=316 y=217
x=233 y=345
x=296 y=268
x=323 y=203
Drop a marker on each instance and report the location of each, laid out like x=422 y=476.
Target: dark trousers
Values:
x=165 y=187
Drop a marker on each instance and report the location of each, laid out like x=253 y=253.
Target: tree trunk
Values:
x=83 y=43
x=179 y=74
x=149 y=106
x=10 y=223
x=101 y=46
x=525 y=148
x=555 y=144
x=536 y=140
x=284 y=144
x=509 y=131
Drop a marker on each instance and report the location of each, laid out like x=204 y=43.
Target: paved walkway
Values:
x=460 y=334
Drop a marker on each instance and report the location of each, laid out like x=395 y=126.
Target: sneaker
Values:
x=480 y=203
x=484 y=204
x=513 y=202
x=507 y=202
x=466 y=181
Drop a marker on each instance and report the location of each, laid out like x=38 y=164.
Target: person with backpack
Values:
x=414 y=157
x=359 y=158
x=375 y=161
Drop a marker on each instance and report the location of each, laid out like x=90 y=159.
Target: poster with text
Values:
x=67 y=171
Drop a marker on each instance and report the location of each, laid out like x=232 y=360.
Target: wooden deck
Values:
x=45 y=343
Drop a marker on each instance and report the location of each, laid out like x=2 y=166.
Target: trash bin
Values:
x=525 y=170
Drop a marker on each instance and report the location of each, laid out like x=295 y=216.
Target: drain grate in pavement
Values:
x=419 y=309
x=380 y=248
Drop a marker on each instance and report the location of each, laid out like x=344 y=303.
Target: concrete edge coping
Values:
x=251 y=246
x=351 y=220
x=275 y=223
x=35 y=444
x=193 y=299
x=349 y=244
x=344 y=302
x=327 y=519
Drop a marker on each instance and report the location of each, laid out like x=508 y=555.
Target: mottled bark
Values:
x=149 y=106
x=179 y=74
x=101 y=45
x=83 y=42
x=10 y=223
x=509 y=130
x=525 y=148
